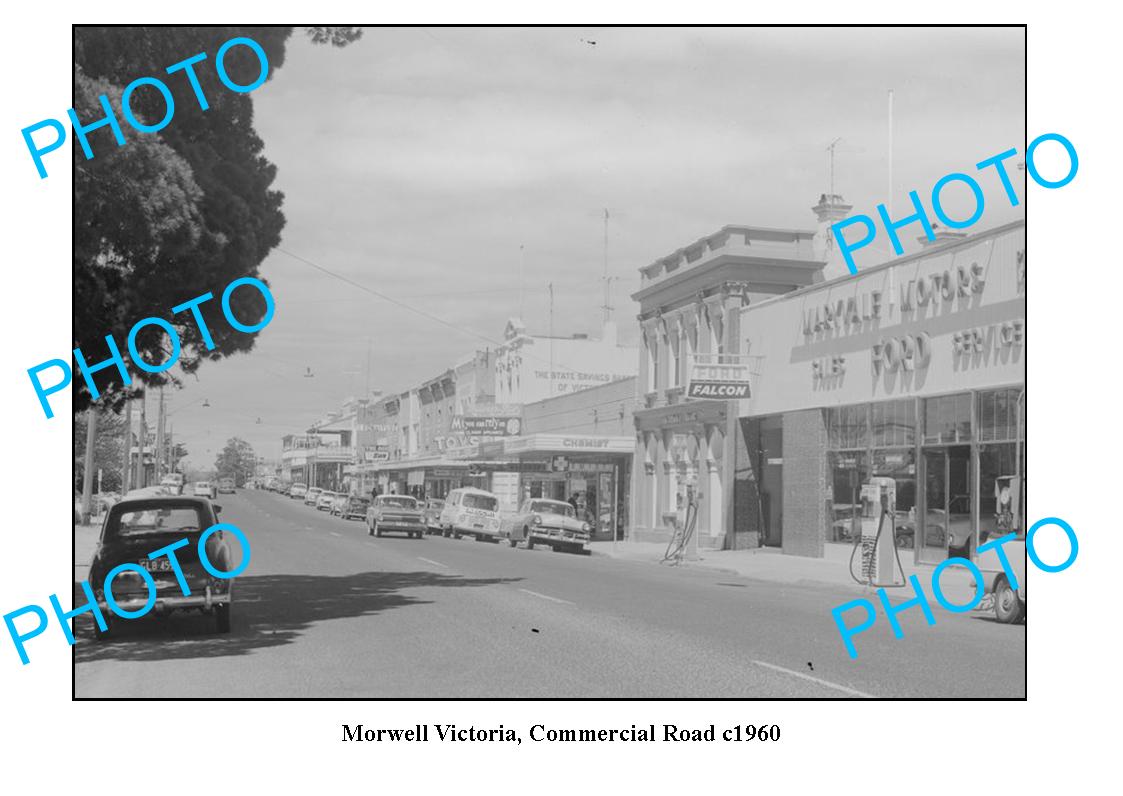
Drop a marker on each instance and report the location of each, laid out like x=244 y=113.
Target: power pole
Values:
x=126 y=470
x=142 y=437
x=88 y=471
x=607 y=306
x=160 y=437
x=550 y=287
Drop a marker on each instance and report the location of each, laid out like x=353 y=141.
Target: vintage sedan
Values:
x=136 y=527
x=397 y=513
x=552 y=523
x=433 y=508
x=312 y=495
x=351 y=507
x=325 y=500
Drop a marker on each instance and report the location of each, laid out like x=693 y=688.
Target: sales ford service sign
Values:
x=730 y=390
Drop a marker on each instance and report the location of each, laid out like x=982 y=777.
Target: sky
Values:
x=462 y=170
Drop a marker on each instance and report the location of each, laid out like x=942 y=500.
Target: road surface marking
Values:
x=333 y=533
x=547 y=597
x=821 y=682
x=431 y=561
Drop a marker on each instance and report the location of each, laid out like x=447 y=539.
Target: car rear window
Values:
x=155 y=519
x=400 y=502
x=550 y=507
x=485 y=502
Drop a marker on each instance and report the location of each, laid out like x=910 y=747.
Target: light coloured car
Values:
x=204 y=489
x=471 y=512
x=312 y=495
x=325 y=500
x=552 y=523
x=297 y=491
x=396 y=513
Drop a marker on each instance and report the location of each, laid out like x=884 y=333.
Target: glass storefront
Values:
x=956 y=461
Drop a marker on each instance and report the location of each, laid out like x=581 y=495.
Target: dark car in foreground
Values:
x=397 y=513
x=136 y=527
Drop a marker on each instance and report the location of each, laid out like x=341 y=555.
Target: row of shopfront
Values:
x=912 y=371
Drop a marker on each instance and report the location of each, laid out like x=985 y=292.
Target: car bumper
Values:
x=557 y=535
x=163 y=604
x=400 y=526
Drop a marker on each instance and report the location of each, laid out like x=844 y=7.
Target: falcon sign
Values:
x=723 y=376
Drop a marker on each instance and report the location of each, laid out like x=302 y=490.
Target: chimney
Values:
x=832 y=208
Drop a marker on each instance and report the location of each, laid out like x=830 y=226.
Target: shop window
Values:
x=893 y=423
x=947 y=419
x=998 y=415
x=849 y=470
x=848 y=426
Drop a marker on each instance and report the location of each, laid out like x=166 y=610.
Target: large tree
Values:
x=237 y=460
x=109 y=448
x=174 y=214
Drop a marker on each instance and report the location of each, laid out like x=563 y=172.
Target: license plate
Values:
x=157 y=565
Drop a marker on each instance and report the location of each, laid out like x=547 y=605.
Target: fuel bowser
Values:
x=880 y=565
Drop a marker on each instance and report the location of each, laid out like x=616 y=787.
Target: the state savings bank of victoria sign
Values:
x=720 y=376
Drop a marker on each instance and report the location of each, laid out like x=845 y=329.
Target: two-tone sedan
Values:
x=552 y=523
x=395 y=513
x=136 y=527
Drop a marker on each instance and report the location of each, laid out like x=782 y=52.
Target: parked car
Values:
x=325 y=500
x=353 y=507
x=137 y=526
x=433 y=510
x=173 y=483
x=312 y=495
x=397 y=513
x=204 y=489
x=297 y=491
x=553 y=523
x=226 y=485
x=471 y=512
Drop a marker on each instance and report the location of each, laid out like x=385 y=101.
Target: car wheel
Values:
x=370 y=529
x=377 y=530
x=222 y=617
x=1008 y=607
x=529 y=541
x=513 y=542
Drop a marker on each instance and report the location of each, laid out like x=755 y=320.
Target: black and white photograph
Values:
x=548 y=362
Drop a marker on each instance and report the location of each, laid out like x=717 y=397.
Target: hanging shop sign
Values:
x=718 y=389
x=377 y=456
x=487 y=426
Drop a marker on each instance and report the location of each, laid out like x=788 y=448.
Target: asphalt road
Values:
x=325 y=610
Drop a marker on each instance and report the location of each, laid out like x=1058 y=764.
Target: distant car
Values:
x=433 y=508
x=553 y=523
x=297 y=491
x=136 y=527
x=204 y=489
x=312 y=495
x=325 y=500
x=396 y=513
x=173 y=483
x=226 y=485
x=351 y=507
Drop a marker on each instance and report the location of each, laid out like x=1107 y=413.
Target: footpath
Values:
x=770 y=564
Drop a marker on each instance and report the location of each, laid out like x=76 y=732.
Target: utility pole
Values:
x=550 y=287
x=889 y=199
x=127 y=469
x=142 y=434
x=88 y=470
x=522 y=279
x=607 y=306
x=160 y=437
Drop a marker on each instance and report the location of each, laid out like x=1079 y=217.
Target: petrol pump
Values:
x=877 y=540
